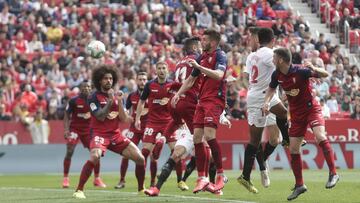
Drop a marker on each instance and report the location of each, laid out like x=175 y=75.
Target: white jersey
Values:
x=259 y=66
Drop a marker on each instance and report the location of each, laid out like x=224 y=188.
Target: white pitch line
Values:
x=129 y=193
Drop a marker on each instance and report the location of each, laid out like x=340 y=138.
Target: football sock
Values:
x=207 y=160
x=296 y=165
x=157 y=148
x=216 y=154
x=200 y=153
x=67 y=163
x=97 y=169
x=212 y=172
x=140 y=170
x=269 y=149
x=178 y=168
x=165 y=172
x=189 y=168
x=153 y=170
x=123 y=168
x=329 y=155
x=250 y=154
x=85 y=174
x=283 y=126
x=260 y=158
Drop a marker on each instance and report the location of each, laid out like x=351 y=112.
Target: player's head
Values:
x=85 y=88
x=210 y=40
x=254 y=39
x=282 y=57
x=192 y=45
x=162 y=70
x=141 y=80
x=104 y=78
x=266 y=36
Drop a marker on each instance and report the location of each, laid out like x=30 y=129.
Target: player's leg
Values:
x=140 y=169
x=281 y=121
x=323 y=142
x=200 y=154
x=190 y=167
x=67 y=162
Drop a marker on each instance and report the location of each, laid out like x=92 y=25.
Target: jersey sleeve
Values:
x=146 y=92
x=128 y=102
x=247 y=68
x=274 y=82
x=307 y=73
x=70 y=106
x=221 y=61
x=94 y=103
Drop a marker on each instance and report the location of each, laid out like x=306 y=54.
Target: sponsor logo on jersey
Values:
x=86 y=115
x=280 y=81
x=80 y=106
x=103 y=102
x=162 y=101
x=154 y=90
x=112 y=115
x=293 y=92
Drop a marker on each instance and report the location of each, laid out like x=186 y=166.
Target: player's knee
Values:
x=177 y=154
x=95 y=155
x=274 y=141
x=139 y=160
x=294 y=149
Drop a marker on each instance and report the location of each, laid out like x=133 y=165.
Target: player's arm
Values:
x=317 y=72
x=270 y=92
x=101 y=113
x=187 y=84
x=68 y=110
x=123 y=116
x=141 y=105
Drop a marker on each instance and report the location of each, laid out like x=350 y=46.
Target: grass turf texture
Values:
x=47 y=188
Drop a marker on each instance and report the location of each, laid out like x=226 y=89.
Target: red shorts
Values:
x=184 y=111
x=135 y=135
x=116 y=143
x=76 y=135
x=298 y=127
x=207 y=114
x=152 y=131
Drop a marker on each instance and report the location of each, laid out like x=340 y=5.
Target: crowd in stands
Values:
x=43 y=59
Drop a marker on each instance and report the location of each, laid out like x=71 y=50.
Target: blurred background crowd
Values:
x=43 y=59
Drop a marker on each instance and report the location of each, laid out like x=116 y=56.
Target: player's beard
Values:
x=106 y=87
x=207 y=47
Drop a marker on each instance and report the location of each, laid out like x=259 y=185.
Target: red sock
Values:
x=97 y=169
x=123 y=168
x=296 y=165
x=329 y=155
x=207 y=162
x=67 y=163
x=179 y=170
x=85 y=174
x=157 y=149
x=153 y=170
x=140 y=170
x=200 y=154
x=216 y=153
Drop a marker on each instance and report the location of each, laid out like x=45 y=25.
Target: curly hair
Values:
x=98 y=74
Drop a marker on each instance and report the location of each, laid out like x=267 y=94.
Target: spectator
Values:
x=56 y=75
x=324 y=55
x=278 y=6
x=333 y=104
x=316 y=60
x=346 y=105
x=334 y=85
x=39 y=129
x=347 y=85
x=5 y=15
x=159 y=36
x=64 y=60
x=28 y=97
x=75 y=80
x=21 y=44
x=3 y=115
x=141 y=34
x=308 y=46
x=320 y=42
x=356 y=114
x=325 y=109
x=35 y=45
x=279 y=28
x=322 y=89
x=204 y=18
x=354 y=74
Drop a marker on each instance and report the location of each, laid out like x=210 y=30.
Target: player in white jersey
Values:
x=260 y=67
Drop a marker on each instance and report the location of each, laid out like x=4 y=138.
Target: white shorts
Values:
x=185 y=139
x=255 y=115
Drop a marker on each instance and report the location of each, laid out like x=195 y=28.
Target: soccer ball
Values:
x=96 y=49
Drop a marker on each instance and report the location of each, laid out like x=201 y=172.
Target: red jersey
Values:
x=211 y=89
x=132 y=102
x=110 y=125
x=298 y=89
x=158 y=96
x=183 y=71
x=80 y=114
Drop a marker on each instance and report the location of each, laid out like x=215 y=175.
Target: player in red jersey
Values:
x=211 y=71
x=134 y=134
x=184 y=110
x=77 y=127
x=304 y=111
x=106 y=112
x=158 y=93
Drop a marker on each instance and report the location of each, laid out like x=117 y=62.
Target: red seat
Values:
x=282 y=14
x=265 y=23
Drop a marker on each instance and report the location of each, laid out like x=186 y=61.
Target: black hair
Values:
x=188 y=43
x=99 y=73
x=266 y=35
x=213 y=34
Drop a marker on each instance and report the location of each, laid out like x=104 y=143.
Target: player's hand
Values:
x=266 y=109
x=119 y=96
x=128 y=119
x=66 y=134
x=226 y=122
x=193 y=63
x=175 y=100
x=138 y=124
x=111 y=93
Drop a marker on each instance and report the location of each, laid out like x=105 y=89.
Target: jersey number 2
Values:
x=254 y=74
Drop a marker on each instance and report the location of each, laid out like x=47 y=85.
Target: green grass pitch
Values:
x=36 y=188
